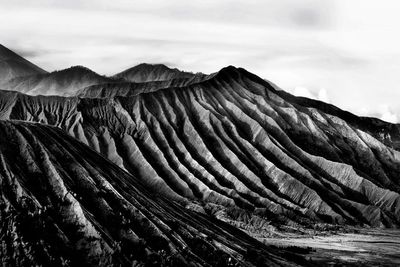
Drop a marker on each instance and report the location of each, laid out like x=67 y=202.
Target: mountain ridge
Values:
x=145 y=72
x=171 y=169
x=82 y=209
x=245 y=130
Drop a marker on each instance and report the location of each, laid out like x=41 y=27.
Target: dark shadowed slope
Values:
x=62 y=204
x=236 y=146
x=64 y=82
x=13 y=65
x=152 y=72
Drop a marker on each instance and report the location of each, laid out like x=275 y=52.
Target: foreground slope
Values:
x=248 y=153
x=13 y=65
x=62 y=204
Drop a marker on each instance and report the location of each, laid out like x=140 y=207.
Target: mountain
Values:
x=63 y=204
x=13 y=65
x=250 y=155
x=152 y=72
x=64 y=82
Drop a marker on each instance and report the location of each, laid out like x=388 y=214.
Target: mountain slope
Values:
x=13 y=65
x=388 y=133
x=136 y=88
x=64 y=82
x=152 y=72
x=235 y=145
x=62 y=204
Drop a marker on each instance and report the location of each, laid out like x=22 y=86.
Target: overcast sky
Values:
x=346 y=52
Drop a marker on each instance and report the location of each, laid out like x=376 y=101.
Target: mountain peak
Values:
x=230 y=69
x=6 y=53
x=151 y=65
x=76 y=69
x=146 y=72
x=13 y=65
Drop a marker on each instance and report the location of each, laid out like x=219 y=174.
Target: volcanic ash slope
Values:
x=237 y=146
x=63 y=204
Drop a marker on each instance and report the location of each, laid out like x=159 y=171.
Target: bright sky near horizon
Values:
x=346 y=52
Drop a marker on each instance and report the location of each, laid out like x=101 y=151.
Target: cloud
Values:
x=320 y=94
x=302 y=91
x=323 y=95
x=31 y=52
x=386 y=114
x=308 y=17
x=383 y=112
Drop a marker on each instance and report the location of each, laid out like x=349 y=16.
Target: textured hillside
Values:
x=12 y=65
x=152 y=72
x=64 y=82
x=62 y=204
x=245 y=151
x=388 y=133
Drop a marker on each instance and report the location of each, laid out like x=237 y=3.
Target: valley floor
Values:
x=362 y=247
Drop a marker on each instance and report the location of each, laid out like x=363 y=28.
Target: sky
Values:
x=344 y=52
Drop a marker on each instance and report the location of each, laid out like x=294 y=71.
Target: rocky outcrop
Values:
x=243 y=150
x=63 y=204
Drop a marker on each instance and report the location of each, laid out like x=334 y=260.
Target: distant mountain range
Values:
x=20 y=75
x=228 y=145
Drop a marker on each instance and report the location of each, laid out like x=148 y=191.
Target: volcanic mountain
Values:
x=13 y=65
x=63 y=204
x=152 y=72
x=247 y=153
x=152 y=160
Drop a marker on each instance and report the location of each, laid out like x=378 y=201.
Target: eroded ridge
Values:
x=63 y=204
x=241 y=149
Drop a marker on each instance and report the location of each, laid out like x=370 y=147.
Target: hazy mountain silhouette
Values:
x=13 y=65
x=64 y=82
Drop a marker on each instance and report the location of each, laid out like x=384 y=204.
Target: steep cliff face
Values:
x=62 y=204
x=13 y=65
x=64 y=82
x=237 y=146
x=152 y=72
